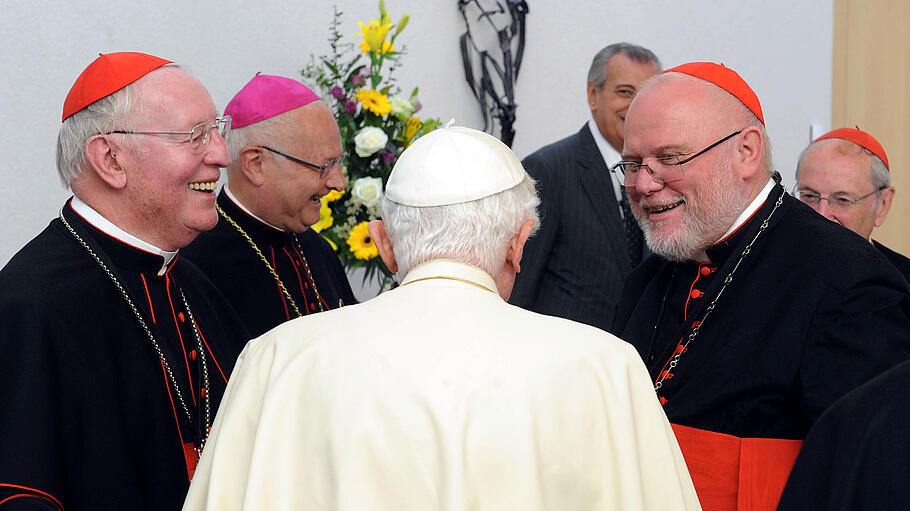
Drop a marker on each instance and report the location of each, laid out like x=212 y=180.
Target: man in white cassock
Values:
x=439 y=394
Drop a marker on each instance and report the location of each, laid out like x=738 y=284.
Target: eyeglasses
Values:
x=197 y=137
x=321 y=168
x=839 y=201
x=668 y=167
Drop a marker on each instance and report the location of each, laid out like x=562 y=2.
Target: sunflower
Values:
x=374 y=101
x=361 y=244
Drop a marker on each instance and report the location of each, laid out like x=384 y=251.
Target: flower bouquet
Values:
x=376 y=124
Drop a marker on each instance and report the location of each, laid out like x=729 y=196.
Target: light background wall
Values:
x=782 y=48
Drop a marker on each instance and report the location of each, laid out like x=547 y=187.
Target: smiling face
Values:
x=293 y=189
x=681 y=116
x=609 y=103
x=834 y=167
x=168 y=194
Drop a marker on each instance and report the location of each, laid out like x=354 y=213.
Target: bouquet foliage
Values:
x=376 y=124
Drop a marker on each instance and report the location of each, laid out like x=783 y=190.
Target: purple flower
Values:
x=350 y=106
x=338 y=92
x=388 y=158
x=357 y=80
x=417 y=107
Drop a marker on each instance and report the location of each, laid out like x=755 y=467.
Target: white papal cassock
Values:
x=440 y=395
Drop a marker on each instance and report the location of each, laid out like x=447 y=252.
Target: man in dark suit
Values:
x=588 y=241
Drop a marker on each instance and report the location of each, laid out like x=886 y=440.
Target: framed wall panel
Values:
x=871 y=88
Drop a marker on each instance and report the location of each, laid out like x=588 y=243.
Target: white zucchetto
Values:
x=452 y=165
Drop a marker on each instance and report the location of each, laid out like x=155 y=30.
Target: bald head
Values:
x=714 y=106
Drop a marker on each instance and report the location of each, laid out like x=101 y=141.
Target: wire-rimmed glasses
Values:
x=669 y=166
x=321 y=168
x=838 y=201
x=198 y=137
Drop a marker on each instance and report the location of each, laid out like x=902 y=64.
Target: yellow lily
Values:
x=325 y=217
x=374 y=34
x=387 y=48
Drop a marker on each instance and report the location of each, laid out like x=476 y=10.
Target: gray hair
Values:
x=879 y=175
x=476 y=232
x=753 y=120
x=597 y=74
x=104 y=115
x=264 y=132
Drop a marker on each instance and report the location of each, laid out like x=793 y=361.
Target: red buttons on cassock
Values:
x=193 y=354
x=696 y=294
x=706 y=270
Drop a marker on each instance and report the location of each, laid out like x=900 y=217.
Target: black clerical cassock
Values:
x=94 y=414
x=304 y=265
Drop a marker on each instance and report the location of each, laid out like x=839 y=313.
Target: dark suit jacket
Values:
x=574 y=267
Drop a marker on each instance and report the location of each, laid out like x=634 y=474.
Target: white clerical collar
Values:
x=744 y=216
x=452 y=271
x=240 y=205
x=610 y=156
x=104 y=225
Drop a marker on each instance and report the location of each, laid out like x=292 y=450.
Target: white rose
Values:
x=367 y=190
x=369 y=140
x=401 y=107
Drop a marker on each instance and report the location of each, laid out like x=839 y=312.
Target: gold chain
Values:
x=309 y=275
x=674 y=361
x=262 y=257
x=167 y=367
x=205 y=373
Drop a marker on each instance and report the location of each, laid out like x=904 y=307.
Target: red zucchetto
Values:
x=725 y=78
x=106 y=75
x=860 y=138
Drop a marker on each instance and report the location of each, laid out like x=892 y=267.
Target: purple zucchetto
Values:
x=266 y=96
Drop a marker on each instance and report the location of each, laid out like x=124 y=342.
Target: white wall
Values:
x=782 y=48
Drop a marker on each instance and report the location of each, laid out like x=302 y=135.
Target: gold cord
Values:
x=265 y=261
x=167 y=367
x=309 y=275
x=446 y=277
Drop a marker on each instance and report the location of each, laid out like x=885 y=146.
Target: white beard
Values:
x=709 y=213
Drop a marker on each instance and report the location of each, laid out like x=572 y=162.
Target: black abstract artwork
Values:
x=492 y=74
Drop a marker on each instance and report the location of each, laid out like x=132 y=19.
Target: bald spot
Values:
x=840 y=149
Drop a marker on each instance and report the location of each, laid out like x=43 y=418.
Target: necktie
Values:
x=633 y=231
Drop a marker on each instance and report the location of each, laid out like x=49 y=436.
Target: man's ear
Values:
x=101 y=157
x=381 y=239
x=250 y=159
x=592 y=96
x=884 y=206
x=749 y=152
x=517 y=245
